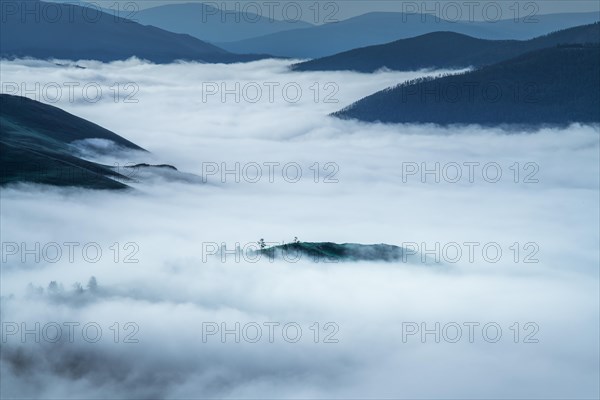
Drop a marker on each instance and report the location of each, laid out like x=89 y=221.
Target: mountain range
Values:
x=32 y=28
x=384 y=27
x=212 y=24
x=444 y=50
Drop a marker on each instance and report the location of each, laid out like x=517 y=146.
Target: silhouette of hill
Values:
x=556 y=86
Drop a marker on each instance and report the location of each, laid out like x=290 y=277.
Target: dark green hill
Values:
x=47 y=122
x=556 y=86
x=334 y=252
x=35 y=146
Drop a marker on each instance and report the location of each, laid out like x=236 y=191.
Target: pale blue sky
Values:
x=343 y=9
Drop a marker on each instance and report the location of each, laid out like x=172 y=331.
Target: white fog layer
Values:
x=532 y=194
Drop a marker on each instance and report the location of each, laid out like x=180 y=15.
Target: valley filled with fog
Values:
x=533 y=193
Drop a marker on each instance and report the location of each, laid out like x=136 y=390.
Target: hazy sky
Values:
x=343 y=9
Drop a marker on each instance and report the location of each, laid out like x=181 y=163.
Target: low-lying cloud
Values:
x=358 y=183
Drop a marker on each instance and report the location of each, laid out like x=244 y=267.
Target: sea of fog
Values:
x=168 y=318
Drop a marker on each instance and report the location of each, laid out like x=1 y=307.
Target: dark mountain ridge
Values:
x=443 y=50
